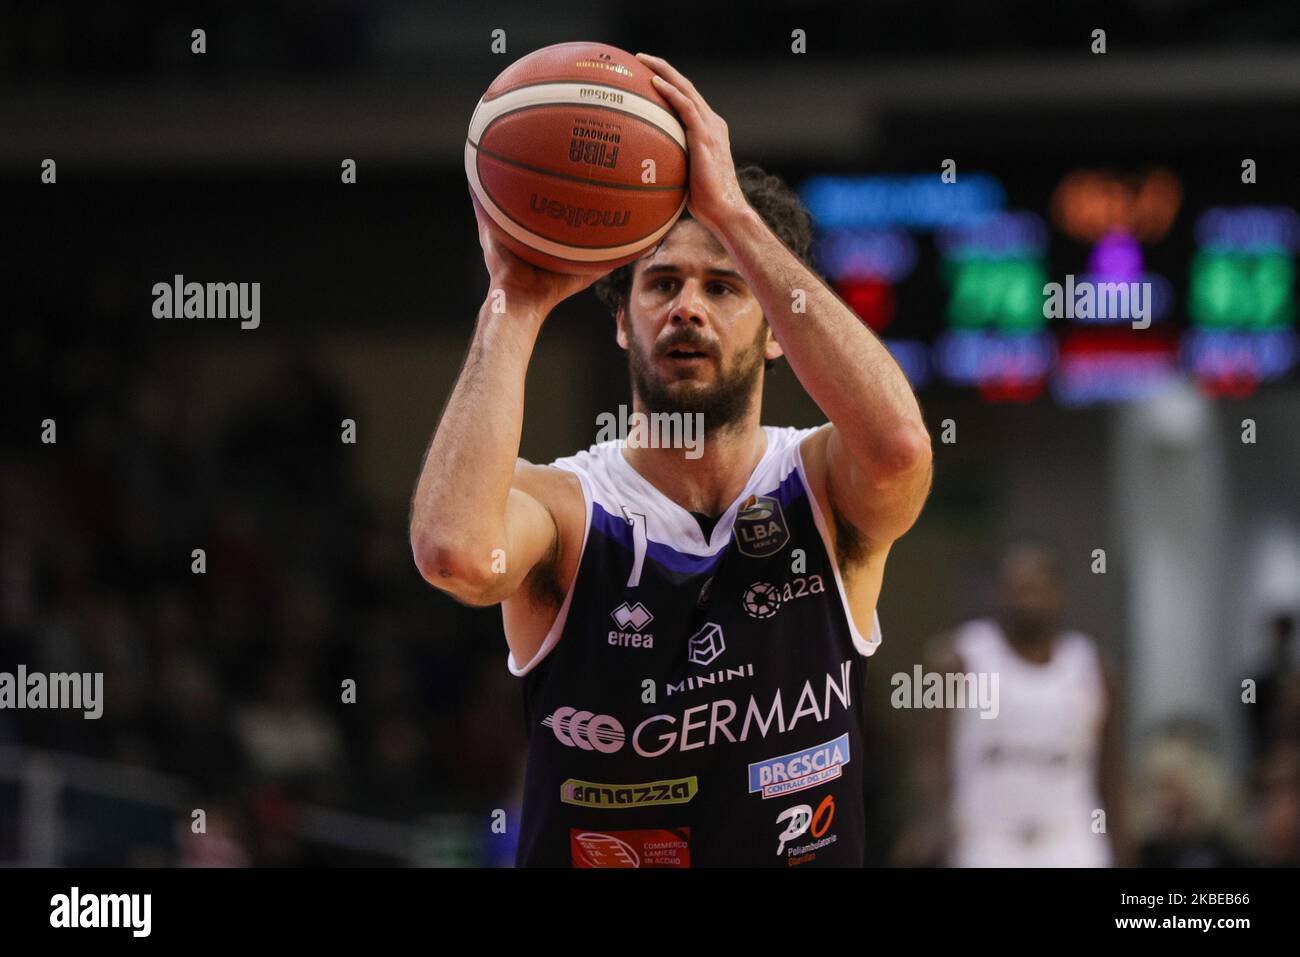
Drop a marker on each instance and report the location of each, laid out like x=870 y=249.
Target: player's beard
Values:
x=724 y=402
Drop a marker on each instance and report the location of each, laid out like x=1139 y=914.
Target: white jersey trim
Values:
x=593 y=468
x=865 y=647
x=557 y=628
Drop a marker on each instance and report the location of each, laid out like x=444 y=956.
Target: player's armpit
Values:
x=881 y=506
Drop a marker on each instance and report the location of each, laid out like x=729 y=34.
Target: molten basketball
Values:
x=577 y=160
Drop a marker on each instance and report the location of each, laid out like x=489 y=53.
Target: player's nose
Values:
x=690 y=306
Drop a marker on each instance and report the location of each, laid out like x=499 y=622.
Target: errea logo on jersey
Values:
x=631 y=619
x=760 y=527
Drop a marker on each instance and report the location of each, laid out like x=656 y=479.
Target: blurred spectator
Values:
x=1278 y=837
x=1185 y=804
x=285 y=734
x=1273 y=716
x=232 y=680
x=220 y=844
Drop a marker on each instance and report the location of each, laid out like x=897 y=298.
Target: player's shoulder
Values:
x=556 y=488
x=978 y=638
x=596 y=459
x=797 y=437
x=1085 y=651
x=791 y=447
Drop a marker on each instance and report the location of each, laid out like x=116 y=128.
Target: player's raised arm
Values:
x=878 y=450
x=473 y=533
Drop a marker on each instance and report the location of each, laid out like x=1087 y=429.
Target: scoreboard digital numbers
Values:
x=1065 y=298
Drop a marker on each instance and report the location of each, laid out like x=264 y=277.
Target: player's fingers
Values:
x=668 y=72
x=492 y=249
x=679 y=101
x=671 y=73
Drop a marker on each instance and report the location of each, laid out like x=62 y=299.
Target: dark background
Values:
x=223 y=689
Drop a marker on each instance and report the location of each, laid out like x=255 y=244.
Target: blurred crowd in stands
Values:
x=233 y=680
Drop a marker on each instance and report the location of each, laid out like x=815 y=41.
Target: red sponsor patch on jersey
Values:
x=663 y=847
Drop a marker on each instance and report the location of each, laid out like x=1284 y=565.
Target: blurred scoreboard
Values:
x=1108 y=286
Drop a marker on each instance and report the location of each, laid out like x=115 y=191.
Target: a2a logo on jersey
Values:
x=760 y=527
x=763 y=600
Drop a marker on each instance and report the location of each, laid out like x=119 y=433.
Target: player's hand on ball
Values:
x=526 y=287
x=715 y=192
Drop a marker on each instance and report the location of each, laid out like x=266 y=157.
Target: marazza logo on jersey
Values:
x=705 y=645
x=763 y=599
x=662 y=847
x=804 y=820
x=591 y=794
x=760 y=527
x=800 y=769
x=703 y=725
x=634 y=617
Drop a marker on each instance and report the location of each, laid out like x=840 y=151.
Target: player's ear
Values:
x=772 y=350
x=620 y=326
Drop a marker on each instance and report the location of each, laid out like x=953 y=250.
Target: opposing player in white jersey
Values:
x=1037 y=781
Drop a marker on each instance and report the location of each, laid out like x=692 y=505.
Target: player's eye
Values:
x=663 y=284
x=719 y=288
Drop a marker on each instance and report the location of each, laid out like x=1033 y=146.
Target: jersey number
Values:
x=637 y=521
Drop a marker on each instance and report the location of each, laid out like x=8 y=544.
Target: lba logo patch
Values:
x=799 y=770
x=760 y=527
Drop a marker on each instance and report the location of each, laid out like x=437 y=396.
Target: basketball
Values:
x=577 y=160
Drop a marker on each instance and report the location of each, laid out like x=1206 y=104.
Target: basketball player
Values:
x=1022 y=787
x=690 y=631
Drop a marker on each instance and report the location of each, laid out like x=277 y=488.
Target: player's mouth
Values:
x=683 y=355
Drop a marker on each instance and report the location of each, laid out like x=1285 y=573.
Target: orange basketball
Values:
x=577 y=160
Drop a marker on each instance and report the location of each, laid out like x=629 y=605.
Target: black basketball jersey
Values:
x=697 y=703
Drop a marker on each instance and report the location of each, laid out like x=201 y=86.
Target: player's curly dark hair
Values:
x=774 y=201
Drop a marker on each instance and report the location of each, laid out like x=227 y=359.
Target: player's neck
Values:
x=710 y=482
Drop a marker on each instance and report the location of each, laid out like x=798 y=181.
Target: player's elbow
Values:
x=457 y=570
x=907 y=452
